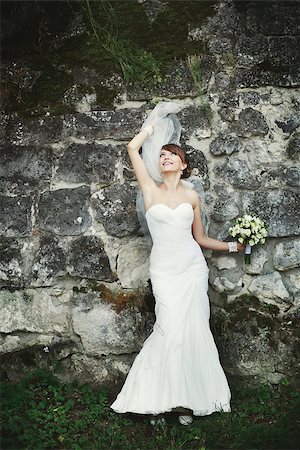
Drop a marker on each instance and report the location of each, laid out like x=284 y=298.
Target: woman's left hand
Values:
x=241 y=247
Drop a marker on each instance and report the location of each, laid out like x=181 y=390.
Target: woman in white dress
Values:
x=178 y=367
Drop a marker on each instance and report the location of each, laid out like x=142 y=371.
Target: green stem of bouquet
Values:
x=247 y=259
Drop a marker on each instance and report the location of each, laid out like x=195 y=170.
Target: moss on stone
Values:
x=153 y=45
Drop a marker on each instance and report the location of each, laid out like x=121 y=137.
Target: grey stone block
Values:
x=25 y=168
x=293 y=148
x=65 y=211
x=292 y=176
x=289 y=124
x=227 y=21
x=119 y=124
x=284 y=51
x=49 y=261
x=197 y=160
x=254 y=98
x=287 y=255
x=273 y=19
x=225 y=144
x=87 y=259
x=280 y=210
x=11 y=262
x=251 y=50
x=225 y=209
x=266 y=75
x=88 y=163
x=219 y=45
x=179 y=82
x=115 y=208
x=238 y=174
x=102 y=330
x=15 y=217
x=250 y=123
x=194 y=120
x=38 y=131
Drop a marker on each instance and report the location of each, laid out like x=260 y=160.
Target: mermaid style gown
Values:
x=178 y=364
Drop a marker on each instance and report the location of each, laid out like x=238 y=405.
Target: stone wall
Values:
x=75 y=295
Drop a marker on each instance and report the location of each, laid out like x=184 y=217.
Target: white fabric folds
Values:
x=178 y=365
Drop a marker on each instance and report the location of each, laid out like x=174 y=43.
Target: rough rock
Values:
x=290 y=124
x=13 y=343
x=293 y=148
x=120 y=124
x=80 y=100
x=225 y=144
x=15 y=218
x=225 y=209
x=269 y=287
x=250 y=123
x=226 y=280
x=11 y=262
x=259 y=257
x=133 y=264
x=268 y=19
x=292 y=176
x=238 y=174
x=87 y=259
x=43 y=130
x=178 y=83
x=224 y=262
x=226 y=21
x=106 y=371
x=222 y=80
x=219 y=45
x=294 y=286
x=198 y=163
x=253 y=340
x=280 y=209
x=30 y=311
x=65 y=211
x=49 y=261
x=255 y=98
x=195 y=121
x=287 y=255
x=251 y=50
x=222 y=284
x=283 y=51
x=88 y=163
x=115 y=208
x=261 y=76
x=102 y=330
x=25 y=168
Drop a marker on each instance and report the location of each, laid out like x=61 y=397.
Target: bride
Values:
x=178 y=367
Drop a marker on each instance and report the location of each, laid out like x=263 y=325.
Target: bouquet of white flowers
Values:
x=249 y=230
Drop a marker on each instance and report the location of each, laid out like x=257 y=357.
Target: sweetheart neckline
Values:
x=169 y=207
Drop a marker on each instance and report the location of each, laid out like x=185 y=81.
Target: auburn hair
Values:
x=174 y=148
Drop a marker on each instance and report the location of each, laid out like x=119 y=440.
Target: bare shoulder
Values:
x=193 y=197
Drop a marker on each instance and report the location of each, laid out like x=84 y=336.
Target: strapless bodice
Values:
x=168 y=225
x=174 y=247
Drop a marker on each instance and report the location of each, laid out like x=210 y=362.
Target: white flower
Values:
x=241 y=240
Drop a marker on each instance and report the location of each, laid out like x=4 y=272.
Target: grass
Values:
x=136 y=63
x=41 y=413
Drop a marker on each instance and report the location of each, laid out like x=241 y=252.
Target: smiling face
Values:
x=171 y=160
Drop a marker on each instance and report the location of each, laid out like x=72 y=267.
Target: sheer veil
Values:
x=166 y=130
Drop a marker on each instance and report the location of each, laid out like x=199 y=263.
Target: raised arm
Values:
x=200 y=236
x=144 y=179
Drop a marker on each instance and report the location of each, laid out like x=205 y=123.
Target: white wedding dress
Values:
x=178 y=365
